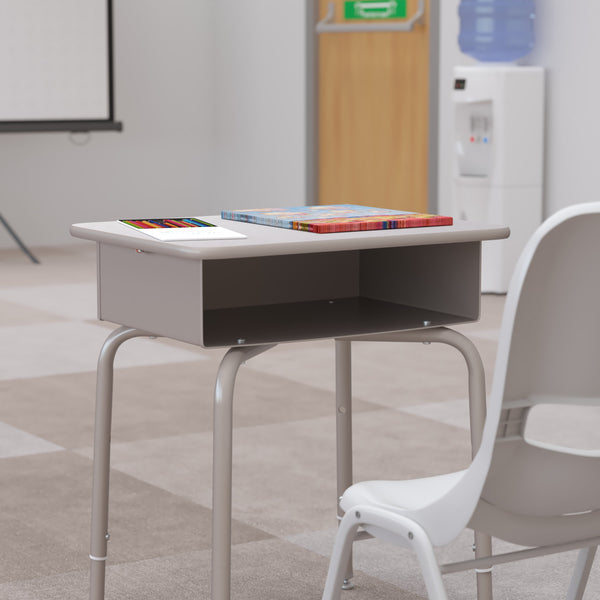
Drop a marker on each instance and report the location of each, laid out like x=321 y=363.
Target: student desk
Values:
x=276 y=285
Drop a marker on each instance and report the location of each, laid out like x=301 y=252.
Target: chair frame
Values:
x=405 y=530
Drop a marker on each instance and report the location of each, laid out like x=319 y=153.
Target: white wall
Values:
x=260 y=103
x=212 y=100
x=450 y=56
x=163 y=160
x=567 y=46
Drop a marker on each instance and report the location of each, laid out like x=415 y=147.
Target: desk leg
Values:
x=483 y=547
x=222 y=467
x=101 y=468
x=477 y=412
x=343 y=400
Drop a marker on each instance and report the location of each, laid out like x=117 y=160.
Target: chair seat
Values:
x=399 y=496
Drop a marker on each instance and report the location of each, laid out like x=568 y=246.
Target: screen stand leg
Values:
x=17 y=239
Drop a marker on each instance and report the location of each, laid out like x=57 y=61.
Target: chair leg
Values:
x=407 y=533
x=585 y=559
x=429 y=567
x=339 y=558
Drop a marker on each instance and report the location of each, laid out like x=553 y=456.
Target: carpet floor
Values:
x=410 y=419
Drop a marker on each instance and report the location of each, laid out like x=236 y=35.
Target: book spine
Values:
x=373 y=225
x=392 y=220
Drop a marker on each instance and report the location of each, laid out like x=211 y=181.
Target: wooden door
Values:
x=373 y=116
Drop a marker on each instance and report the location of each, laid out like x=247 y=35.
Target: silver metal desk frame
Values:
x=222 y=443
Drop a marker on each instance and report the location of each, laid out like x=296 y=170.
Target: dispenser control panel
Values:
x=474 y=138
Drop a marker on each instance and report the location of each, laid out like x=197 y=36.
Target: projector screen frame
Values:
x=77 y=125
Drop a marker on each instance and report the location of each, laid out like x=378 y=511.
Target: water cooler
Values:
x=499 y=131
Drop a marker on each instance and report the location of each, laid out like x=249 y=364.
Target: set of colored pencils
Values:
x=166 y=223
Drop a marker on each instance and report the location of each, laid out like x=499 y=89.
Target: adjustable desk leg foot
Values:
x=101 y=468
x=222 y=467
x=347 y=585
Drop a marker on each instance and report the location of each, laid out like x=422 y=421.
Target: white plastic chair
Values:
x=525 y=492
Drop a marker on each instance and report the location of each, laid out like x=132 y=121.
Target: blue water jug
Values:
x=496 y=30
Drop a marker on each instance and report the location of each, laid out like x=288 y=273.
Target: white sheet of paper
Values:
x=182 y=234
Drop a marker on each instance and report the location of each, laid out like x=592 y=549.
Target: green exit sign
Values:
x=375 y=9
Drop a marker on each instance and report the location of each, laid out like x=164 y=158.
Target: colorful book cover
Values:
x=335 y=218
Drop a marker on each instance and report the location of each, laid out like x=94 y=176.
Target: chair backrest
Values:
x=548 y=351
